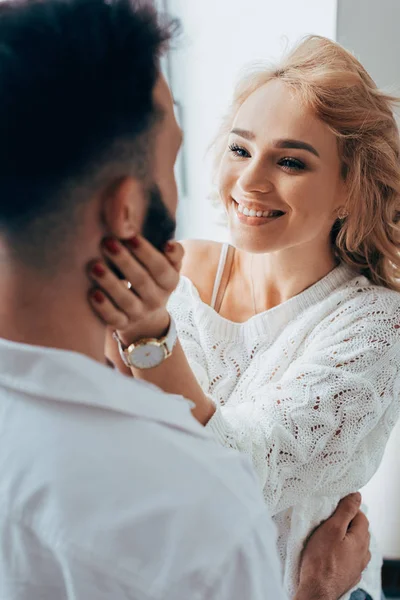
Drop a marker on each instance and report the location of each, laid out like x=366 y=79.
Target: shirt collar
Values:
x=65 y=376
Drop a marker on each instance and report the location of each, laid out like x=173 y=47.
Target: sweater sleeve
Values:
x=323 y=427
x=182 y=308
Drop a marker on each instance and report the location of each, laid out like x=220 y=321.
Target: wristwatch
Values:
x=148 y=352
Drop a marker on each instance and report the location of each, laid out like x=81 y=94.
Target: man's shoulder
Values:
x=142 y=465
x=128 y=491
x=151 y=455
x=200 y=265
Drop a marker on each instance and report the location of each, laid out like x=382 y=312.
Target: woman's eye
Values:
x=239 y=151
x=292 y=164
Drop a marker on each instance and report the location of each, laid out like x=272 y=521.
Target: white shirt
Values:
x=109 y=489
x=309 y=390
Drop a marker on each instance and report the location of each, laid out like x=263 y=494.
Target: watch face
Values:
x=147 y=356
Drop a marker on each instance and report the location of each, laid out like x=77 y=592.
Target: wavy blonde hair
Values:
x=341 y=93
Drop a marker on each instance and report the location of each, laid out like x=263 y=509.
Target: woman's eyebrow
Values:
x=298 y=144
x=284 y=143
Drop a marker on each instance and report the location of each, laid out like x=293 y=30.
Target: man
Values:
x=108 y=487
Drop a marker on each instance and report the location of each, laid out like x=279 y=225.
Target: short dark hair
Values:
x=76 y=84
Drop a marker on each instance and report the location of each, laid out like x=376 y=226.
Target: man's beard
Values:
x=159 y=226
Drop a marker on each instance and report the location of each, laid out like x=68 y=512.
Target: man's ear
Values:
x=124 y=208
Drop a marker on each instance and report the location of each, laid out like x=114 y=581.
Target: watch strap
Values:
x=171 y=336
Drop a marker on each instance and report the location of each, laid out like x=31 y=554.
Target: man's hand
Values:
x=336 y=554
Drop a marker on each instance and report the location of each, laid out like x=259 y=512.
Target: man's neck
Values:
x=50 y=312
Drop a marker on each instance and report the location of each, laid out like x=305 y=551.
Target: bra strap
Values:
x=224 y=277
x=220 y=272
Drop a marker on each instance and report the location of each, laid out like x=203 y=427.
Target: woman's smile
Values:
x=253 y=215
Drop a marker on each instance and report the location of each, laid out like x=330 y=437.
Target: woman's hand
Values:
x=136 y=310
x=139 y=311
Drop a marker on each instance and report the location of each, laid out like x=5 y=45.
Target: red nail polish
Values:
x=112 y=245
x=98 y=296
x=169 y=246
x=134 y=242
x=98 y=270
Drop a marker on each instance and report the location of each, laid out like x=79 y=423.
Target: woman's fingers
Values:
x=123 y=298
x=175 y=252
x=161 y=268
x=142 y=282
x=152 y=276
x=106 y=310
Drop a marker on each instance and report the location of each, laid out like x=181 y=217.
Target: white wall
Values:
x=370 y=28
x=220 y=36
x=382 y=496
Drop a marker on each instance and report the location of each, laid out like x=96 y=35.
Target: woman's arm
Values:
x=323 y=428
x=175 y=376
x=165 y=377
x=140 y=312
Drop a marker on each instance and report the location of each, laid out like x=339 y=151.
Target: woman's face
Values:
x=279 y=177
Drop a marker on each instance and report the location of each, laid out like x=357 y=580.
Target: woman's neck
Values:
x=260 y=282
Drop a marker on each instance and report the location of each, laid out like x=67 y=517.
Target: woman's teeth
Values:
x=258 y=213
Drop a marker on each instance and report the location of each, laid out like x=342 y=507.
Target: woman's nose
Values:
x=255 y=178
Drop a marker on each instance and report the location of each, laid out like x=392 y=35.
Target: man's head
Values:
x=86 y=119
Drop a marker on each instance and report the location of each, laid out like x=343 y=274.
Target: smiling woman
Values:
x=320 y=104
x=293 y=330
x=289 y=339
x=283 y=160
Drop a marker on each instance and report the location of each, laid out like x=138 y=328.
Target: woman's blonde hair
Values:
x=341 y=93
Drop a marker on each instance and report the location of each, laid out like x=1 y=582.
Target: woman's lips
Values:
x=251 y=216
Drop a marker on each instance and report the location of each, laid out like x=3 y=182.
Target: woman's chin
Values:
x=256 y=240
x=252 y=243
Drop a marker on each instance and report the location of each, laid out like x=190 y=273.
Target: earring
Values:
x=342 y=214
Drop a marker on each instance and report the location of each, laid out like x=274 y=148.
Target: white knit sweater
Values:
x=310 y=390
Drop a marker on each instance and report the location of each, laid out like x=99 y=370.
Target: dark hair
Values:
x=76 y=83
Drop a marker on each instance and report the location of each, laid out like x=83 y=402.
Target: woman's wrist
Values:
x=156 y=327
x=204 y=410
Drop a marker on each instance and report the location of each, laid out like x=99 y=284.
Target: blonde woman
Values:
x=289 y=340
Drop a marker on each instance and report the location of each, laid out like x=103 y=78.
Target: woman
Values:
x=290 y=342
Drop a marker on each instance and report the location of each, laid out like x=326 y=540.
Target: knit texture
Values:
x=309 y=390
